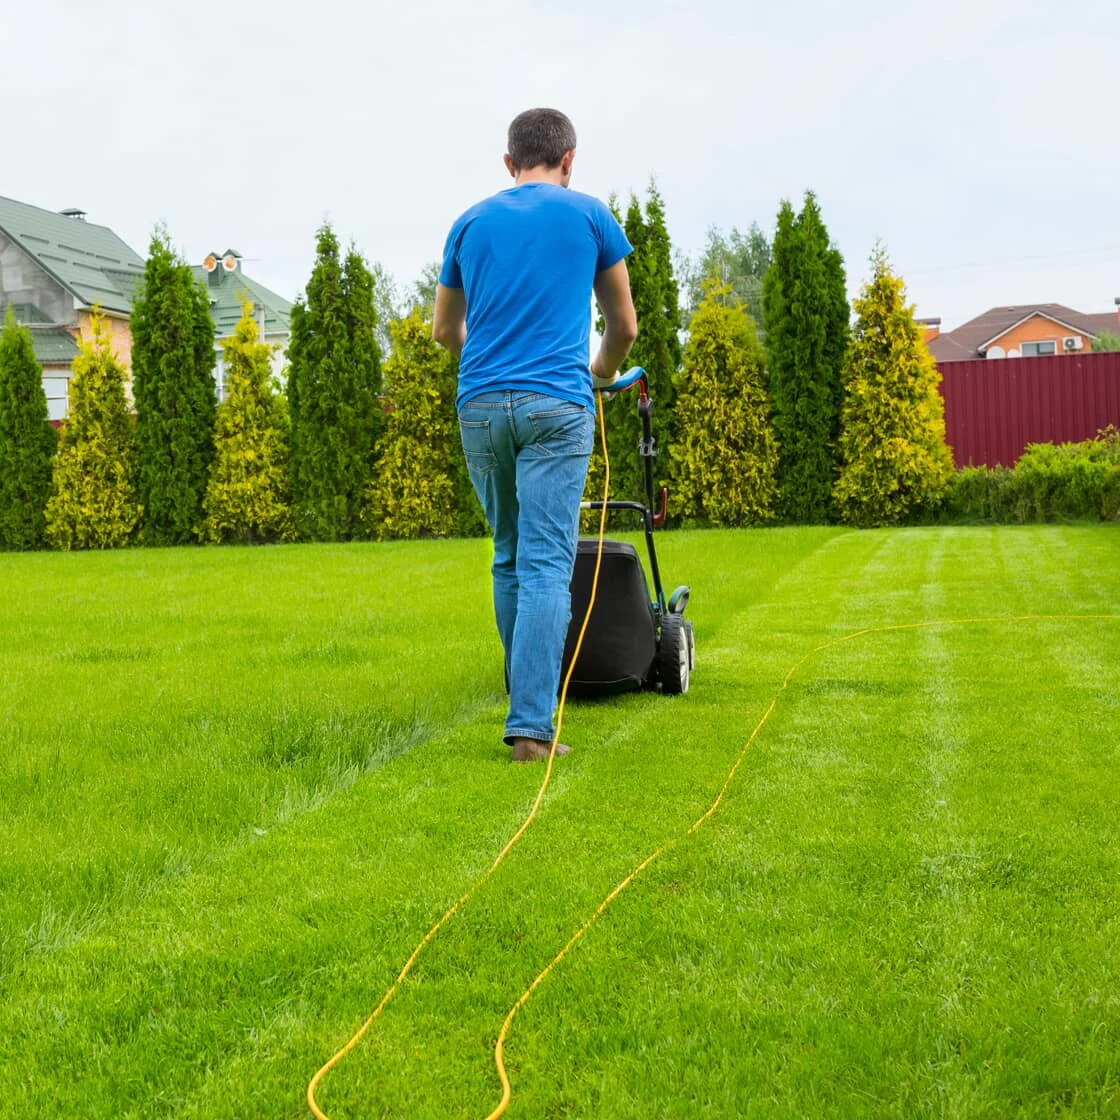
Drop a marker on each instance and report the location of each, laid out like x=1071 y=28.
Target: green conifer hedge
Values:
x=27 y=440
x=334 y=389
x=806 y=314
x=247 y=497
x=725 y=457
x=413 y=493
x=94 y=501
x=173 y=385
x=896 y=464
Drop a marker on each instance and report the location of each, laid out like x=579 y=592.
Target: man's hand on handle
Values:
x=600 y=382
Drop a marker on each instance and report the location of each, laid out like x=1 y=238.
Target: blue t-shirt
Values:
x=526 y=259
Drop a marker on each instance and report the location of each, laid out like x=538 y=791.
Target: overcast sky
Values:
x=978 y=139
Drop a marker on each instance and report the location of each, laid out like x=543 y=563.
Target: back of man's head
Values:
x=540 y=137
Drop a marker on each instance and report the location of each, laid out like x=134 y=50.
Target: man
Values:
x=514 y=302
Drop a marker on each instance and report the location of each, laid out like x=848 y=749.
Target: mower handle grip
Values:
x=624 y=381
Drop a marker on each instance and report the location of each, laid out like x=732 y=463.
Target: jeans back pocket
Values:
x=477 y=447
x=565 y=430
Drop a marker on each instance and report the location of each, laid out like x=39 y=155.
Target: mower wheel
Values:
x=672 y=654
x=691 y=646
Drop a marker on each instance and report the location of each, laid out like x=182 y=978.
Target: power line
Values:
x=1102 y=252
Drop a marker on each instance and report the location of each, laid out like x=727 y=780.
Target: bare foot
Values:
x=535 y=750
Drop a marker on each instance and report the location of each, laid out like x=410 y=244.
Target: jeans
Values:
x=527 y=454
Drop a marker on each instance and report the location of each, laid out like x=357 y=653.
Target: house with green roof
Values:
x=228 y=287
x=55 y=267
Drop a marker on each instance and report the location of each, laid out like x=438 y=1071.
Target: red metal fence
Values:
x=995 y=407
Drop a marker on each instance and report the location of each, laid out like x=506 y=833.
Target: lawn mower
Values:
x=634 y=640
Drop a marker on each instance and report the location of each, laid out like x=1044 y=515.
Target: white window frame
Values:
x=58 y=395
x=1039 y=342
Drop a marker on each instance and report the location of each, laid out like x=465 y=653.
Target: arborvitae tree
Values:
x=413 y=493
x=424 y=290
x=806 y=314
x=359 y=290
x=837 y=311
x=896 y=463
x=247 y=498
x=27 y=440
x=94 y=501
x=738 y=260
x=660 y=347
x=725 y=457
x=334 y=386
x=173 y=386
x=654 y=289
x=387 y=304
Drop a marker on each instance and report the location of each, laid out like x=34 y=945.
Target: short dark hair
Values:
x=540 y=136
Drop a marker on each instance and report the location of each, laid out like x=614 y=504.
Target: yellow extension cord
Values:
x=499 y=1060
x=450 y=912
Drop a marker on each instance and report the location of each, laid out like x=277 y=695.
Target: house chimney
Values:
x=213 y=273
x=75 y=213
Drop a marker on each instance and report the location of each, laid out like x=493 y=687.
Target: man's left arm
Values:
x=449 y=320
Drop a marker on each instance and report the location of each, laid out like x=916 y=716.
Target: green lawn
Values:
x=238 y=785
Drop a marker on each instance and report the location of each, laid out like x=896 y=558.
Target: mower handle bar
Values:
x=654 y=518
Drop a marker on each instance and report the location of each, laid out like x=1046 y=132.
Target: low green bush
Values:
x=978 y=494
x=1050 y=482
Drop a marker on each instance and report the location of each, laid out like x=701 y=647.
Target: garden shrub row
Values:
x=1050 y=482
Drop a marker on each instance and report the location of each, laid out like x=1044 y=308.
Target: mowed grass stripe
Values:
x=620 y=1045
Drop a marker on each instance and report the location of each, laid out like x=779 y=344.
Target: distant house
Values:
x=54 y=268
x=227 y=286
x=1023 y=331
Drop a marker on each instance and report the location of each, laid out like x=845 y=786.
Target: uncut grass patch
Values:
x=906 y=905
x=159 y=705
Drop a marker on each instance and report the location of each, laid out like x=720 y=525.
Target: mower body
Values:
x=635 y=638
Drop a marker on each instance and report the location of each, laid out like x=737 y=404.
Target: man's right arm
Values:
x=449 y=319
x=612 y=290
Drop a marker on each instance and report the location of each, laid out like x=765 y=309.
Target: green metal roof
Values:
x=53 y=345
x=89 y=260
x=27 y=313
x=223 y=289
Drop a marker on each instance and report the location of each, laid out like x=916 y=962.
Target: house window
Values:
x=56 y=389
x=1036 y=349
